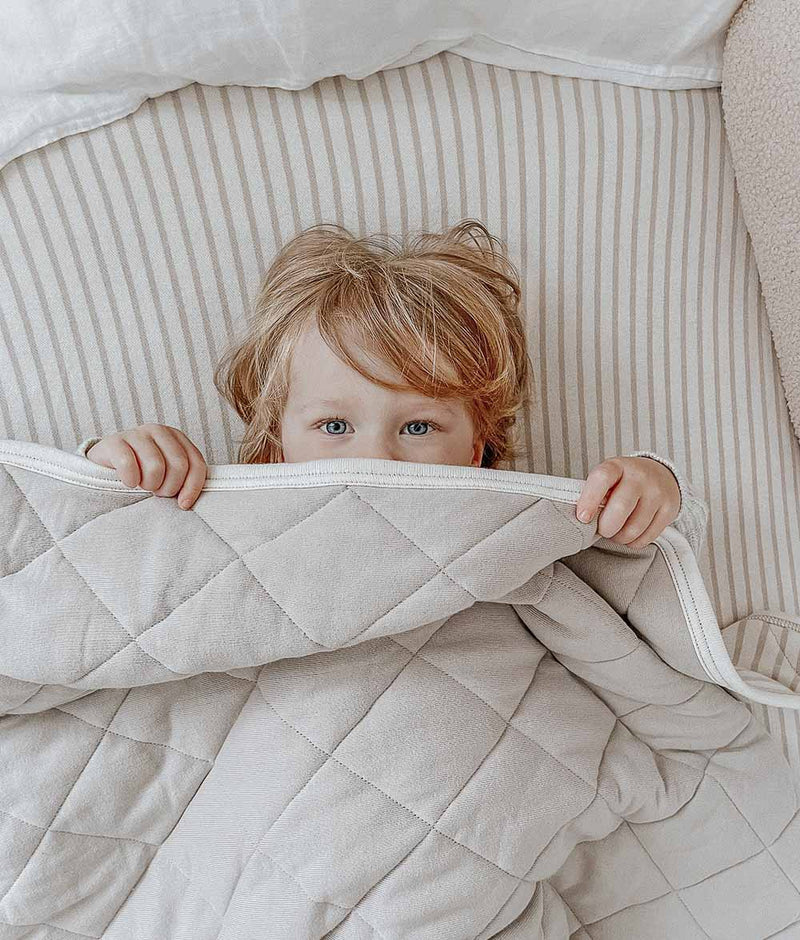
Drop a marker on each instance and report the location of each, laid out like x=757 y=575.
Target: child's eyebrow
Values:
x=319 y=403
x=323 y=403
x=446 y=406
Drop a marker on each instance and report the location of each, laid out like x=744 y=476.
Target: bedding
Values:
x=130 y=254
x=361 y=698
x=68 y=66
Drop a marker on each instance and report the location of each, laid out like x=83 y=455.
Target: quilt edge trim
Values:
x=704 y=628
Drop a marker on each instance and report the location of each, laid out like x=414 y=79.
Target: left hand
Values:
x=644 y=501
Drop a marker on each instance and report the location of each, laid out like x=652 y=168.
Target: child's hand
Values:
x=645 y=499
x=157 y=458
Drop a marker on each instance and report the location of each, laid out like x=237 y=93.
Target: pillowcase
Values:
x=72 y=65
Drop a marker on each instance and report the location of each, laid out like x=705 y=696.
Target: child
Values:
x=358 y=348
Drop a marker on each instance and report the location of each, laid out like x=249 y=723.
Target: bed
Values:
x=129 y=254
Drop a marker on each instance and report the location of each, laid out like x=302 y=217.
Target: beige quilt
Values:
x=360 y=699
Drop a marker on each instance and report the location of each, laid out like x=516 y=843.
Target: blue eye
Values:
x=417 y=424
x=335 y=427
x=342 y=424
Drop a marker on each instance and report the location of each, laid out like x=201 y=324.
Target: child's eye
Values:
x=414 y=427
x=337 y=426
x=338 y=423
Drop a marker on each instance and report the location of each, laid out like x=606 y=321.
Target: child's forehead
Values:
x=321 y=378
x=410 y=399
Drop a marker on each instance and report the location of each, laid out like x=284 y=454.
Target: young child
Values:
x=359 y=347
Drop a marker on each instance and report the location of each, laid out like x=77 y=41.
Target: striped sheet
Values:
x=766 y=650
x=130 y=253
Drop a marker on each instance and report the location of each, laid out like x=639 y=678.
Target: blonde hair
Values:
x=441 y=311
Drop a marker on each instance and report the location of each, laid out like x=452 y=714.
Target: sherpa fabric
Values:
x=362 y=699
x=761 y=99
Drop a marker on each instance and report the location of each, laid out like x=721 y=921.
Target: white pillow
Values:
x=71 y=65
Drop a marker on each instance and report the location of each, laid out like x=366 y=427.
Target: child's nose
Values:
x=377 y=446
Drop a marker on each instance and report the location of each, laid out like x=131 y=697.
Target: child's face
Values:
x=333 y=411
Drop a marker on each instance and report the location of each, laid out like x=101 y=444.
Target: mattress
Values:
x=129 y=256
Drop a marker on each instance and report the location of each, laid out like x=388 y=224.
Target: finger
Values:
x=151 y=460
x=122 y=458
x=193 y=486
x=196 y=477
x=598 y=483
x=637 y=522
x=190 y=446
x=660 y=521
x=194 y=481
x=177 y=460
x=618 y=508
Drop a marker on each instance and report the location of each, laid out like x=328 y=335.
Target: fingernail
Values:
x=183 y=503
x=584 y=515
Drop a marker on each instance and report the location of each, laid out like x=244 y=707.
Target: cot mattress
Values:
x=129 y=255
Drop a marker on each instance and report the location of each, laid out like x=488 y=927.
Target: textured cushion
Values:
x=761 y=96
x=129 y=255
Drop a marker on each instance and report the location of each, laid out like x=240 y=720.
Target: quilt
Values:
x=361 y=699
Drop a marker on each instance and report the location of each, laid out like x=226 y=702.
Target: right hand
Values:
x=156 y=458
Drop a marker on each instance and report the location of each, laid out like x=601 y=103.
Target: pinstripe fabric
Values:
x=770 y=645
x=129 y=255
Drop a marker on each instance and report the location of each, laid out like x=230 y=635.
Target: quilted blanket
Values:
x=361 y=699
